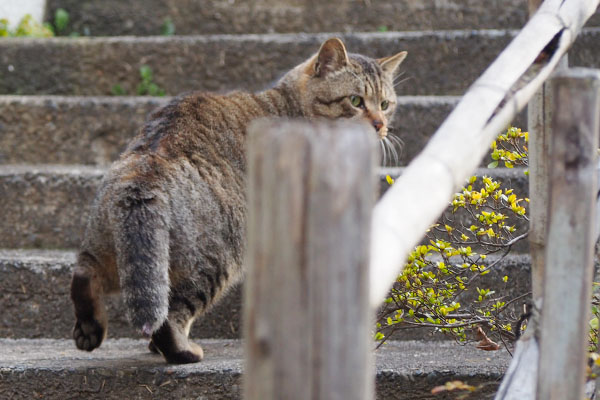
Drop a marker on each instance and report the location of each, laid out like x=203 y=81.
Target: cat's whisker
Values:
x=387 y=151
x=395 y=138
x=393 y=152
x=399 y=76
x=383 y=153
x=383 y=142
x=402 y=81
x=397 y=142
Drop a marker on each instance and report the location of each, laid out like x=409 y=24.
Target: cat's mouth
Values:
x=381 y=131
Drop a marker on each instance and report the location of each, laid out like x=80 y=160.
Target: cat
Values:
x=167 y=225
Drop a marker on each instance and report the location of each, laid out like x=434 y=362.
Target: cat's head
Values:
x=336 y=84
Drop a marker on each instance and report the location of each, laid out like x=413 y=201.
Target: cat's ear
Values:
x=389 y=65
x=331 y=57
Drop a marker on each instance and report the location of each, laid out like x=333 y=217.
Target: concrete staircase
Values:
x=60 y=129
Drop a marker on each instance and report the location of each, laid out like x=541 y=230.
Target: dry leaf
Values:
x=485 y=343
x=452 y=385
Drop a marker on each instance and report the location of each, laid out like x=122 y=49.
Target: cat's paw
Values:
x=184 y=357
x=172 y=342
x=193 y=355
x=152 y=347
x=88 y=335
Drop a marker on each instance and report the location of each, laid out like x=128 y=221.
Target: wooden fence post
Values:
x=307 y=317
x=533 y=5
x=571 y=225
x=539 y=117
x=521 y=377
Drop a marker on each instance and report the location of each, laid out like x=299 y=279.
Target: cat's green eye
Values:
x=384 y=105
x=356 y=101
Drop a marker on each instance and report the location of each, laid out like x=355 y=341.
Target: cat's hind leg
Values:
x=152 y=347
x=171 y=339
x=86 y=293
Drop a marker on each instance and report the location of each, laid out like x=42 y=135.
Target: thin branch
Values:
x=505 y=306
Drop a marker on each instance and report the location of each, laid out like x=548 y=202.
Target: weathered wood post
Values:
x=521 y=378
x=307 y=316
x=549 y=360
x=533 y=5
x=570 y=248
x=539 y=117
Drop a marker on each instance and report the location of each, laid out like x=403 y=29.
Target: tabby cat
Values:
x=167 y=225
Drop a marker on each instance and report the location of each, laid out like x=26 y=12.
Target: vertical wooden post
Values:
x=520 y=380
x=307 y=316
x=539 y=117
x=533 y=5
x=569 y=252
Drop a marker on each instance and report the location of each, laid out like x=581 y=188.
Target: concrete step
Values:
x=46 y=206
x=34 y=297
x=35 y=290
x=190 y=17
x=439 y=62
x=69 y=130
x=117 y=18
x=94 y=130
x=124 y=369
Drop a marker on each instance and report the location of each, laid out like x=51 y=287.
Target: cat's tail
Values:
x=140 y=219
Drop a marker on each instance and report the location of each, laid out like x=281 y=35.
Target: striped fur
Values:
x=166 y=228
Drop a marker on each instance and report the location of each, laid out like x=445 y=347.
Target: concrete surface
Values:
x=34 y=297
x=439 y=62
x=46 y=206
x=94 y=130
x=116 y=17
x=124 y=369
x=92 y=66
x=69 y=130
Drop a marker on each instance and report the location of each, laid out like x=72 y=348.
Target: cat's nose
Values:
x=377 y=124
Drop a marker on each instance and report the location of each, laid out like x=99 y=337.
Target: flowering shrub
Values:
x=439 y=286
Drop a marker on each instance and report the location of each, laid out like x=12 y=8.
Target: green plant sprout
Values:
x=168 y=27
x=510 y=148
x=61 y=21
x=117 y=90
x=146 y=87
